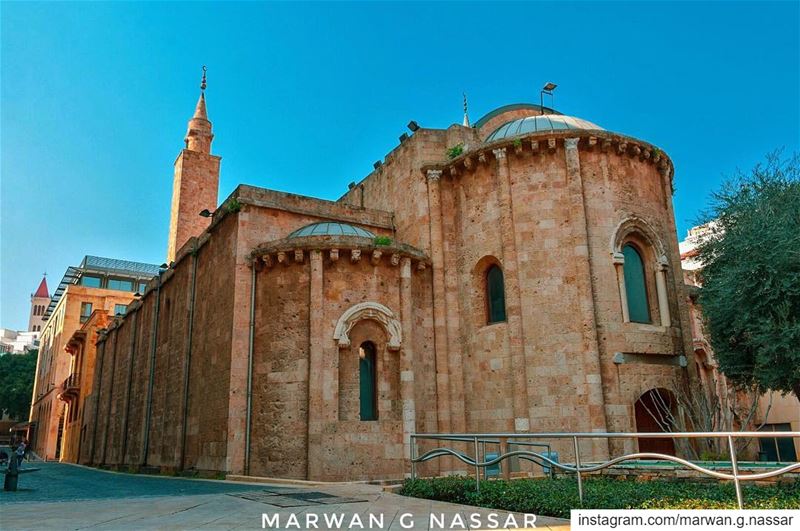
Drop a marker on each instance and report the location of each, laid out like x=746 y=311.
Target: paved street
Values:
x=64 y=496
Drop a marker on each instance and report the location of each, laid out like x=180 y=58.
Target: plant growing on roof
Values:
x=455 y=151
x=382 y=240
x=233 y=205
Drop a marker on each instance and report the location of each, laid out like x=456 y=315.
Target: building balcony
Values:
x=70 y=388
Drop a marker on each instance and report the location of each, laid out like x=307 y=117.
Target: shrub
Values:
x=382 y=240
x=455 y=151
x=555 y=497
x=233 y=205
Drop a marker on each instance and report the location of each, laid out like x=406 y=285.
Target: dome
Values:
x=543 y=123
x=328 y=228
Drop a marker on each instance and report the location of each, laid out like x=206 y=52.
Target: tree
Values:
x=751 y=276
x=699 y=407
x=16 y=383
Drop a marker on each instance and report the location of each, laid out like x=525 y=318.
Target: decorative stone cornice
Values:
x=434 y=175
x=547 y=143
x=499 y=153
x=288 y=251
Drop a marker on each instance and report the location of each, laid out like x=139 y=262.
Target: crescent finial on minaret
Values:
x=466 y=115
x=203 y=81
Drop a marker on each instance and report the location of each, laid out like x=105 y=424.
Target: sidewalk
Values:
x=71 y=497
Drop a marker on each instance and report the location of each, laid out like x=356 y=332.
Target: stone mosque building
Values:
x=519 y=274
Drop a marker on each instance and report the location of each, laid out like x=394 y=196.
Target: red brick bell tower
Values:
x=195 y=186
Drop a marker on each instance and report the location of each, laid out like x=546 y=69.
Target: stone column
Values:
x=439 y=303
x=320 y=392
x=458 y=418
x=516 y=338
x=407 y=357
x=107 y=433
x=132 y=358
x=583 y=279
x=619 y=268
x=100 y=355
x=661 y=289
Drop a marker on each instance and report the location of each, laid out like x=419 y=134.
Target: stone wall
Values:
x=306 y=421
x=186 y=430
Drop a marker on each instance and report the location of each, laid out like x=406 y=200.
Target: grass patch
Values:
x=557 y=496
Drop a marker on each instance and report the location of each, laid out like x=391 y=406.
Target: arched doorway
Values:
x=654 y=412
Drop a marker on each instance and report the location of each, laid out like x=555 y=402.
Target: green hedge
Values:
x=556 y=497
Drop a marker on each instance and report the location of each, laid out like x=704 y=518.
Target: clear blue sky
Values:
x=303 y=98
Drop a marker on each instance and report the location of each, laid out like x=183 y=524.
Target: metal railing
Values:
x=503 y=439
x=73 y=380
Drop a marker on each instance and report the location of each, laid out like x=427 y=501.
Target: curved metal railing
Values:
x=545 y=461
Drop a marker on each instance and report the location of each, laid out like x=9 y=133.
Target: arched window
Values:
x=495 y=295
x=635 y=289
x=367 y=368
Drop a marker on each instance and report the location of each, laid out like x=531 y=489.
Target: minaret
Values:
x=195 y=186
x=39 y=302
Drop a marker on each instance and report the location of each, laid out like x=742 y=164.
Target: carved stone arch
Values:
x=368 y=310
x=635 y=224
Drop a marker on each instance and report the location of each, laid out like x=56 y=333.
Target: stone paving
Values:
x=62 y=496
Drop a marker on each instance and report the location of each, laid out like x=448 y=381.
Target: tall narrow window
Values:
x=367 y=372
x=495 y=295
x=635 y=288
x=86 y=311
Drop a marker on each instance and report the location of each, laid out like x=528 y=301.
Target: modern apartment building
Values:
x=98 y=284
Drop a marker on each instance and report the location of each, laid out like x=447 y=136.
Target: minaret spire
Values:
x=466 y=115
x=199 y=135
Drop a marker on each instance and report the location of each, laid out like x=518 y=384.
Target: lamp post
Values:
x=547 y=89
